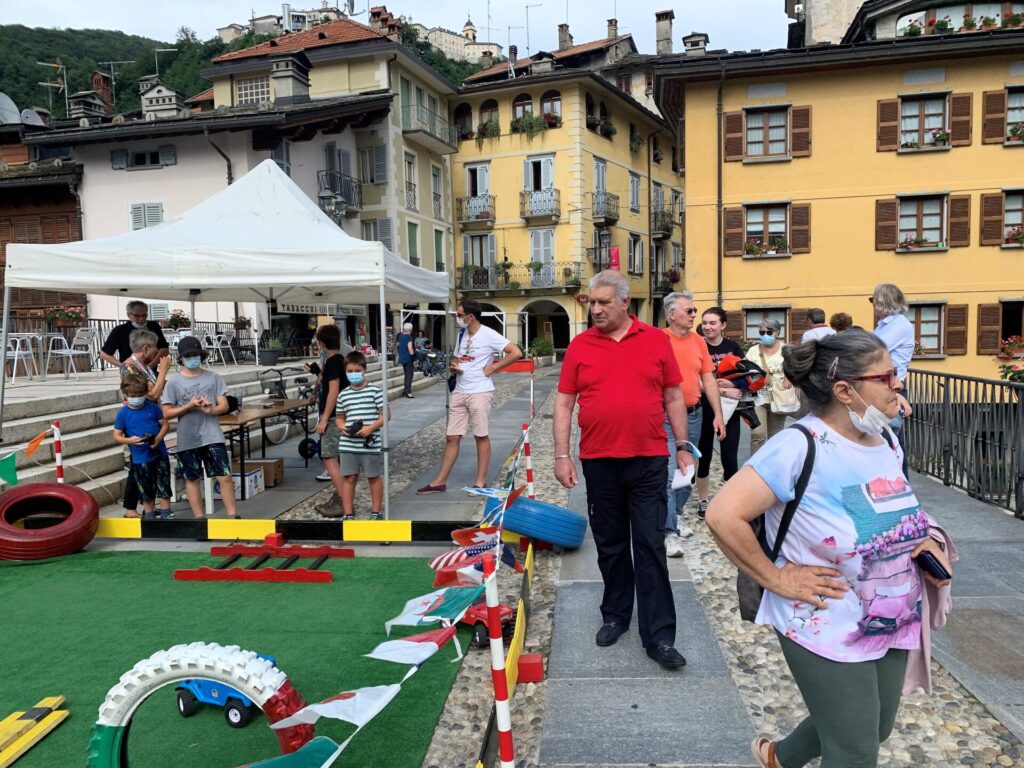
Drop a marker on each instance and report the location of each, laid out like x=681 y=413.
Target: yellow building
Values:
x=814 y=174
x=556 y=172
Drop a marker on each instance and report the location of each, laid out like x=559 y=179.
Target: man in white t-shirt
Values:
x=474 y=363
x=816 y=328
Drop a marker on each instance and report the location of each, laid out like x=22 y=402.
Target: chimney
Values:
x=513 y=53
x=663 y=31
x=613 y=28
x=564 y=38
x=696 y=44
x=487 y=59
x=289 y=77
x=101 y=84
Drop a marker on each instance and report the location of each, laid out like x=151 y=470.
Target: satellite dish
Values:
x=9 y=114
x=31 y=117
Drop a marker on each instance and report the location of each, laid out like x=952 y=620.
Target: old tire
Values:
x=80 y=519
x=543 y=521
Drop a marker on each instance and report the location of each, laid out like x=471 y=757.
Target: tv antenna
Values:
x=511 y=64
x=61 y=83
x=113 y=87
x=156 y=57
x=528 y=7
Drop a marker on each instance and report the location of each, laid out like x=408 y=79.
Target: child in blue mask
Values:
x=141 y=425
x=359 y=415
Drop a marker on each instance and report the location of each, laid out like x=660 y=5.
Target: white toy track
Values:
x=255 y=677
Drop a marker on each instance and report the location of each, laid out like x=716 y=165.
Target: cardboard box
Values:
x=273 y=469
x=254 y=484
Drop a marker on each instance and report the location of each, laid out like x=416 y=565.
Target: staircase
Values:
x=92 y=460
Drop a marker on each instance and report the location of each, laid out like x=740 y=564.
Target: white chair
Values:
x=88 y=339
x=20 y=348
x=221 y=345
x=59 y=348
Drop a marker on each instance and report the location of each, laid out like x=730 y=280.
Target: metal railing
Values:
x=969 y=433
x=541 y=202
x=438 y=211
x=520 y=276
x=348 y=188
x=606 y=205
x=662 y=222
x=418 y=118
x=410 y=196
x=599 y=257
x=474 y=208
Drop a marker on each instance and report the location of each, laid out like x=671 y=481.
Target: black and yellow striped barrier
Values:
x=20 y=731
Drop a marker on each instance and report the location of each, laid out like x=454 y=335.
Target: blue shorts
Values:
x=213 y=458
x=153 y=479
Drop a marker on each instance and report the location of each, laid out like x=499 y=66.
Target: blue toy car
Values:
x=238 y=708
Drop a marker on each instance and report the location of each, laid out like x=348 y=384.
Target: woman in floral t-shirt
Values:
x=844 y=596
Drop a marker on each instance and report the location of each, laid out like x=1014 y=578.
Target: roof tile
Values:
x=575 y=50
x=334 y=33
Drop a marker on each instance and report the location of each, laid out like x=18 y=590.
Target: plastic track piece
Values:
x=256 y=678
x=547 y=522
x=80 y=513
x=296 y=576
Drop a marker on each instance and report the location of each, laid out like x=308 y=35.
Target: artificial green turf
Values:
x=72 y=626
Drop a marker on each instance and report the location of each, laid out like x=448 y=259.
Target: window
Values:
x=464 y=118
x=927 y=322
x=122 y=159
x=634 y=192
x=380 y=230
x=413 y=230
x=282 y=155
x=921 y=221
x=438 y=250
x=753 y=318
x=489 y=111
x=656 y=149
x=919 y=117
x=590 y=108
x=624 y=82
x=551 y=103
x=1002 y=218
x=658 y=259
x=649 y=81
x=478 y=181
x=769 y=230
x=600 y=175
x=522 y=106
x=766 y=230
x=602 y=112
x=767 y=134
x=252 y=90
x=373 y=164
x=677 y=205
x=1013 y=217
x=539 y=173
x=478 y=250
x=542 y=251
x=435 y=189
x=635 y=255
x=677 y=256
x=410 y=181
x=1014 y=108
x=146 y=215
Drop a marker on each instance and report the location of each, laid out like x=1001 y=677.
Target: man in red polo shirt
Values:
x=625 y=378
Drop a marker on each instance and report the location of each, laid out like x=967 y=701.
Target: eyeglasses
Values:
x=767 y=332
x=889 y=377
x=691 y=311
x=143 y=316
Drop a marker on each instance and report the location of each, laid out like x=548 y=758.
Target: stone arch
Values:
x=550 y=319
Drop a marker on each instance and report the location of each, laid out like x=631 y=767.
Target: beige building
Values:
x=290 y=20
x=462 y=47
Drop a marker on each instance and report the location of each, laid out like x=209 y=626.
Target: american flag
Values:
x=454 y=556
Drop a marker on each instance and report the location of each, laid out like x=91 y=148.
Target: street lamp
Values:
x=327 y=201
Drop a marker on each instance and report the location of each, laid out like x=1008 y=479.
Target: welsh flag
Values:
x=414 y=649
x=444 y=605
x=357 y=707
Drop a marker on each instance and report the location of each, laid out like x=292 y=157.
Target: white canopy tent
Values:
x=260 y=236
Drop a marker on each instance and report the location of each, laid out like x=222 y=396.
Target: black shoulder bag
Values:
x=453 y=378
x=749 y=591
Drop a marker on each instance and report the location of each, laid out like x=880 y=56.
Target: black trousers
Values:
x=727 y=449
x=626 y=501
x=408 y=378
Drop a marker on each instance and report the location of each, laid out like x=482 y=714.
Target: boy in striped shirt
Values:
x=359 y=416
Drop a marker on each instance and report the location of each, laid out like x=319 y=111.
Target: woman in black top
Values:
x=713 y=324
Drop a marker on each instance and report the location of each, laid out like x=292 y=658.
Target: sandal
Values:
x=132 y=514
x=755 y=748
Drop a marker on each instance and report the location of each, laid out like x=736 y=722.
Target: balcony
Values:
x=429 y=129
x=558 y=276
x=348 y=191
x=475 y=212
x=661 y=223
x=599 y=257
x=438 y=207
x=606 y=209
x=410 y=196
x=542 y=205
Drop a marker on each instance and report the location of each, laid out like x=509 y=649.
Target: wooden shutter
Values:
x=992 y=219
x=384 y=233
x=119 y=159
x=797 y=324
x=681 y=145
x=138 y=213
x=154 y=214
x=734 y=140
x=961 y=115
x=492 y=249
x=281 y=154
x=799 y=229
x=735 y=327
x=733 y=231
x=800 y=132
x=990 y=328
x=331 y=165
x=345 y=162
x=993 y=120
x=380 y=163
x=959 y=221
x=956 y=329
x=887 y=224
x=168 y=155
x=682 y=239
x=888 y=130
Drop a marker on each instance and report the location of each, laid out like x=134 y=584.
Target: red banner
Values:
x=613 y=258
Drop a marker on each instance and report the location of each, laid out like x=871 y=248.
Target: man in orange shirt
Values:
x=694 y=360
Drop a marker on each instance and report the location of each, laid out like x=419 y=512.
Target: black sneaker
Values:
x=610 y=633
x=702 y=508
x=666 y=655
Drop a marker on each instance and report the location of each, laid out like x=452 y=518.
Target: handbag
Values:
x=453 y=378
x=748 y=591
x=781 y=399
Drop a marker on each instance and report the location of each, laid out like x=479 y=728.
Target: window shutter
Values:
x=331 y=165
x=380 y=163
x=887 y=217
x=959 y=221
x=168 y=156
x=281 y=155
x=119 y=159
x=990 y=328
x=384 y=233
x=492 y=249
x=547 y=173
x=961 y=112
x=138 y=216
x=733 y=136
x=956 y=329
x=800 y=228
x=888 y=131
x=682 y=238
x=992 y=219
x=154 y=214
x=993 y=121
x=797 y=324
x=734 y=328
x=800 y=132
x=466 y=257
x=681 y=146
x=346 y=161
x=733 y=231
x=527 y=176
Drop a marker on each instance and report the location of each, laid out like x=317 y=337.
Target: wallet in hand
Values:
x=929 y=563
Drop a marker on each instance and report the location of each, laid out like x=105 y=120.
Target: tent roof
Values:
x=262 y=233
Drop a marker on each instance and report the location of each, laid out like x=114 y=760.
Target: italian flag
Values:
x=442 y=605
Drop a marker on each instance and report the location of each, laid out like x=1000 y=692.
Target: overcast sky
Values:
x=732 y=24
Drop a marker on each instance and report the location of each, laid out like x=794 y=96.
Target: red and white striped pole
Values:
x=506 y=752
x=532 y=369
x=57 y=452
x=529 y=462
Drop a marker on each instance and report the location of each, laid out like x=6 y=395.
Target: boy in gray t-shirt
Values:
x=197 y=397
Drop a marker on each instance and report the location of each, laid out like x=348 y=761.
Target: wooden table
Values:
x=238 y=424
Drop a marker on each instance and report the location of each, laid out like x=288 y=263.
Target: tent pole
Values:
x=384 y=385
x=3 y=343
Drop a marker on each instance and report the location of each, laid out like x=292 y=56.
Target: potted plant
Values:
x=940 y=136
x=502 y=269
x=535 y=267
x=989 y=22
x=1013 y=20
x=913 y=30
x=658 y=155
x=593 y=121
x=752 y=248
x=1009 y=372
x=62 y=316
x=178 y=319
x=489 y=130
x=1015 y=236
x=1011 y=348
x=908 y=243
x=242 y=323
x=970 y=23
x=273 y=348
x=552 y=120
x=942 y=25
x=673 y=275
x=636 y=143
x=1016 y=132
x=607 y=129
x=465 y=133
x=909 y=145
x=778 y=244
x=514 y=285
x=529 y=124
x=541 y=347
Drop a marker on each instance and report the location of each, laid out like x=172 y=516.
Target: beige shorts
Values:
x=463 y=408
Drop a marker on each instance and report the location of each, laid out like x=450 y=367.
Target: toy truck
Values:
x=238 y=708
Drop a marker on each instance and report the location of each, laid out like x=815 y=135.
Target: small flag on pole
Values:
x=8 y=472
x=35 y=442
x=357 y=707
x=444 y=605
x=414 y=649
x=455 y=556
x=468 y=537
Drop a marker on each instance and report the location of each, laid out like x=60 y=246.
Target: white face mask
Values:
x=872 y=422
x=461 y=321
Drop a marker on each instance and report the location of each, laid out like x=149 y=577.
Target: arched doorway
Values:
x=492 y=322
x=548 y=320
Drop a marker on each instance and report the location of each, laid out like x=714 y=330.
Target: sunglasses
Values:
x=888 y=377
x=767 y=332
x=691 y=311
